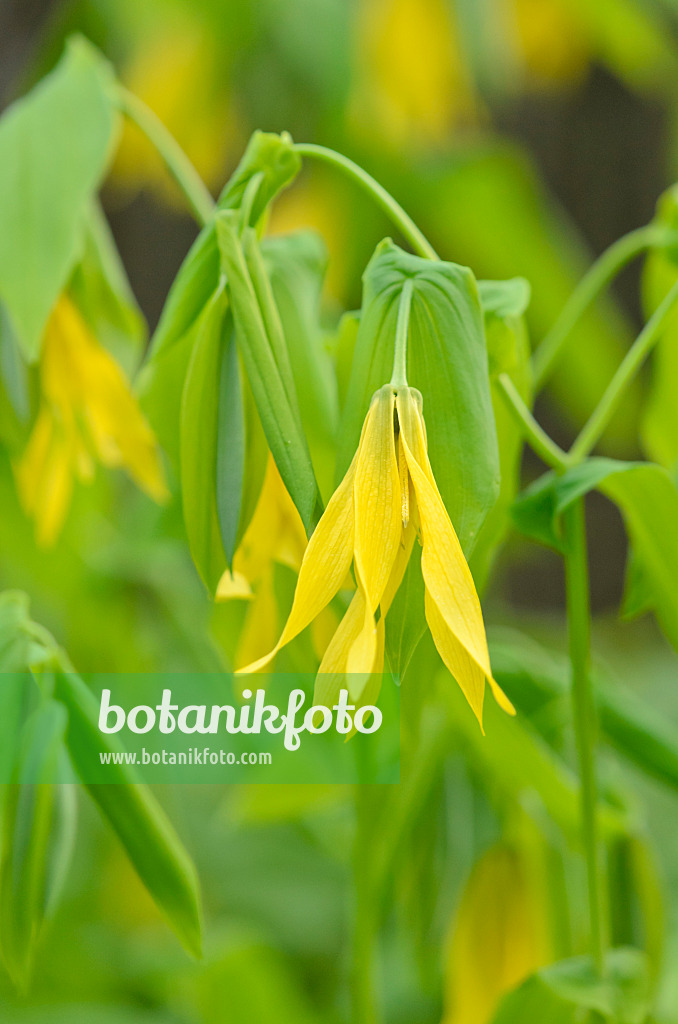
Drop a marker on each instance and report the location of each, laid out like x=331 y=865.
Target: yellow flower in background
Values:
x=370 y=522
x=87 y=413
x=552 y=41
x=274 y=535
x=412 y=78
x=179 y=74
x=499 y=936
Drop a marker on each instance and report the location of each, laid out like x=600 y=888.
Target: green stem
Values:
x=399 y=375
x=406 y=226
x=595 y=427
x=579 y=625
x=364 y=1002
x=178 y=164
x=606 y=267
x=537 y=438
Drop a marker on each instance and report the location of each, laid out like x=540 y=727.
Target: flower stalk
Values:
x=584 y=715
x=179 y=166
x=597 y=278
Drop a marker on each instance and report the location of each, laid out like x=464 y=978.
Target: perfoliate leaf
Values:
x=199 y=431
x=264 y=354
x=504 y=304
x=446 y=361
x=54 y=145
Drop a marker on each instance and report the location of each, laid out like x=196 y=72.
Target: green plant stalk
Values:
x=364 y=1003
x=537 y=438
x=596 y=425
x=599 y=275
x=393 y=210
x=584 y=714
x=399 y=375
x=176 y=161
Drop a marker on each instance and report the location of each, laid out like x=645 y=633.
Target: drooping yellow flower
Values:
x=499 y=935
x=87 y=413
x=411 y=74
x=387 y=494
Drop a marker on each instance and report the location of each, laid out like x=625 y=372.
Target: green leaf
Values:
x=104 y=295
x=504 y=304
x=537 y=511
x=14 y=381
x=446 y=361
x=242 y=452
x=199 y=430
x=267 y=154
x=27 y=824
x=659 y=427
x=161 y=380
x=519 y=761
x=54 y=146
x=141 y=825
x=405 y=621
x=264 y=354
x=14 y=643
x=537 y=679
x=296 y=267
x=560 y=992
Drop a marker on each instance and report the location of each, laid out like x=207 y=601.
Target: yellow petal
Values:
x=447 y=577
x=378 y=519
x=233 y=587
x=326 y=561
x=333 y=673
x=82 y=376
x=45 y=477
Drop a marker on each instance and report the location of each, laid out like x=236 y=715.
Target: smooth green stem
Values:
x=178 y=164
x=536 y=437
x=399 y=376
x=600 y=274
x=628 y=368
x=364 y=1002
x=584 y=712
x=249 y=196
x=406 y=226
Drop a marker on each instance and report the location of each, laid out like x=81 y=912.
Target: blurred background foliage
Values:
x=523 y=136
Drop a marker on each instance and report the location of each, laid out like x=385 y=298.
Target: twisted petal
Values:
x=452 y=601
x=326 y=562
x=378 y=520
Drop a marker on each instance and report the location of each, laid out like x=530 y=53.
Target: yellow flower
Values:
x=387 y=494
x=87 y=412
x=274 y=535
x=500 y=934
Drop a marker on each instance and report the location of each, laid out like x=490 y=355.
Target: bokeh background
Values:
x=524 y=136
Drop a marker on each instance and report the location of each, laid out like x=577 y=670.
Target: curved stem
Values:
x=178 y=164
x=595 y=427
x=406 y=226
x=536 y=436
x=584 y=712
x=399 y=375
x=599 y=275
